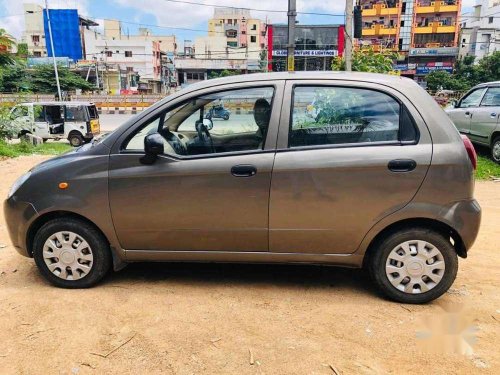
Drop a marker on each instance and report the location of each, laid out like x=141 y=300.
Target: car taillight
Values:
x=470 y=150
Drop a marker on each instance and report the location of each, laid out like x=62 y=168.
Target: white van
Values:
x=76 y=121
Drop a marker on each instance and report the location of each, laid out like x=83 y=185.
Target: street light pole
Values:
x=53 y=51
x=292 y=13
x=349 y=8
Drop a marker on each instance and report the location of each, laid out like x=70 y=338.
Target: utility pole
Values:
x=349 y=7
x=53 y=51
x=292 y=13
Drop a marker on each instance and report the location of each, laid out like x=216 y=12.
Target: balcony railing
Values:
x=434 y=45
x=434 y=27
x=379 y=10
x=436 y=7
x=376 y=48
x=379 y=29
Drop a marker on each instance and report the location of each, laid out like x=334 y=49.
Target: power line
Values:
x=251 y=9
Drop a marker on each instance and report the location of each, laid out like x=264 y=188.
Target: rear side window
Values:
x=491 y=98
x=93 y=112
x=342 y=115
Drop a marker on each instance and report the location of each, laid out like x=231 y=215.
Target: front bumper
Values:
x=18 y=216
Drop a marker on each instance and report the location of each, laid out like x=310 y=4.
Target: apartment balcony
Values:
x=375 y=48
x=379 y=10
x=423 y=7
x=433 y=28
x=434 y=45
x=379 y=29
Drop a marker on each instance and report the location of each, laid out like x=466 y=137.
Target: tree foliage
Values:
x=41 y=79
x=223 y=73
x=6 y=41
x=368 y=61
x=466 y=74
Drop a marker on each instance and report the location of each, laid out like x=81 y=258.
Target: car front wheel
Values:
x=75 y=140
x=71 y=253
x=495 y=150
x=414 y=265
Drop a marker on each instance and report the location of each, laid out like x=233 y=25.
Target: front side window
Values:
x=20 y=111
x=491 y=98
x=342 y=115
x=473 y=99
x=222 y=122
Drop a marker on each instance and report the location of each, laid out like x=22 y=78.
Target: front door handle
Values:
x=493 y=114
x=243 y=170
x=402 y=165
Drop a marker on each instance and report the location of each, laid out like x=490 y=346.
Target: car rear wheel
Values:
x=75 y=139
x=71 y=253
x=414 y=265
x=495 y=149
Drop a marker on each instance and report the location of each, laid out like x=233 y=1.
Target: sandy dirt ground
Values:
x=247 y=319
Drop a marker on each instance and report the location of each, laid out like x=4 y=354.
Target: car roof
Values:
x=487 y=84
x=387 y=79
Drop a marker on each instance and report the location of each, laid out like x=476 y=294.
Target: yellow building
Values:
x=424 y=31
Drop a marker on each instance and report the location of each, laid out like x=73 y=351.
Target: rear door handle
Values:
x=402 y=165
x=243 y=170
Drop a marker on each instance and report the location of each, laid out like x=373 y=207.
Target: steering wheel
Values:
x=204 y=136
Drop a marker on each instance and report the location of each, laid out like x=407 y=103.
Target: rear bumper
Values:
x=465 y=217
x=18 y=216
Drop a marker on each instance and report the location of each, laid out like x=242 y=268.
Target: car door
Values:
x=41 y=127
x=485 y=118
x=198 y=195
x=348 y=155
x=462 y=114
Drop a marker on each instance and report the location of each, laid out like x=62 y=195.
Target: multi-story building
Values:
x=480 y=30
x=34 y=30
x=238 y=30
x=140 y=53
x=423 y=32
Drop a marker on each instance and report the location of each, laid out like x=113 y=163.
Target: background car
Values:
x=477 y=116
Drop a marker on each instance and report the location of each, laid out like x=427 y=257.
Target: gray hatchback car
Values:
x=327 y=168
x=477 y=115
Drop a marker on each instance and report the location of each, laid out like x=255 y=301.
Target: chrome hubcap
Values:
x=67 y=255
x=415 y=267
x=496 y=151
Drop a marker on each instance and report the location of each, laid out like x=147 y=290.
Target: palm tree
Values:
x=6 y=42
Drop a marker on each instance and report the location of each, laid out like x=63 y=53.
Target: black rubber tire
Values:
x=496 y=140
x=382 y=250
x=75 y=140
x=226 y=117
x=97 y=242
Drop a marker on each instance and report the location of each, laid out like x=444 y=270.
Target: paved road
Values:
x=111 y=122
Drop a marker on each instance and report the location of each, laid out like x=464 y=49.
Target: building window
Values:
x=254 y=27
x=243 y=32
x=231 y=33
x=229 y=21
x=37 y=54
x=253 y=39
x=262 y=45
x=232 y=44
x=109 y=53
x=490 y=19
x=128 y=53
x=130 y=69
x=35 y=38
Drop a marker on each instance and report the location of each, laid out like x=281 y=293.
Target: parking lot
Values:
x=247 y=319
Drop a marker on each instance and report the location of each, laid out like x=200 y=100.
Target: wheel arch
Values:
x=495 y=135
x=447 y=231
x=45 y=218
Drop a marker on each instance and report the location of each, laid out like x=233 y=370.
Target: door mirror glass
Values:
x=153 y=146
x=208 y=123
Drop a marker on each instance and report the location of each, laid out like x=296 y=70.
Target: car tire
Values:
x=495 y=149
x=75 y=140
x=413 y=265
x=71 y=253
x=226 y=117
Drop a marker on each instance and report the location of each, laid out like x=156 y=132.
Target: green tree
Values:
x=6 y=41
x=223 y=73
x=43 y=80
x=488 y=68
x=14 y=78
x=22 y=50
x=368 y=61
x=440 y=79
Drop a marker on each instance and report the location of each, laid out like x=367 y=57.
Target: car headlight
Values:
x=17 y=184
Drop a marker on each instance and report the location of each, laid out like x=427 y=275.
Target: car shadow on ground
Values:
x=223 y=274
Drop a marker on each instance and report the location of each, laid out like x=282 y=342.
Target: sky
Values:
x=172 y=14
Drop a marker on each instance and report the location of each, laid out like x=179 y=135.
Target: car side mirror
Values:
x=153 y=146
x=208 y=123
x=456 y=103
